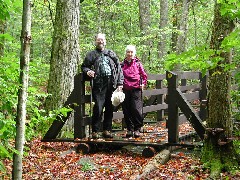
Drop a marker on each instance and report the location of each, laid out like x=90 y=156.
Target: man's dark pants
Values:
x=102 y=94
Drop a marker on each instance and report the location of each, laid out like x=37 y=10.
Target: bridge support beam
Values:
x=177 y=100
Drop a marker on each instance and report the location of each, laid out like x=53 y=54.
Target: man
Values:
x=104 y=67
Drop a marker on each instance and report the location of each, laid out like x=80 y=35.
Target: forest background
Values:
x=171 y=35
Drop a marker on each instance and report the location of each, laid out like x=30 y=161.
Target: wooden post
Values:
x=160 y=100
x=76 y=102
x=173 y=111
x=184 y=83
x=203 y=97
x=79 y=109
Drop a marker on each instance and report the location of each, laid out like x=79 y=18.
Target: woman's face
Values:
x=129 y=54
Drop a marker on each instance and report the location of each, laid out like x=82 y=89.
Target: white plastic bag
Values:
x=117 y=97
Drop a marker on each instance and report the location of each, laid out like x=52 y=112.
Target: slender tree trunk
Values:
x=2 y=31
x=162 y=44
x=181 y=41
x=22 y=93
x=218 y=149
x=145 y=21
x=174 y=20
x=65 y=53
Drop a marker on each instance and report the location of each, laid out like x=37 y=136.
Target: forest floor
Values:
x=59 y=160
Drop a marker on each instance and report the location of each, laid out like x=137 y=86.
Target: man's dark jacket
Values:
x=91 y=62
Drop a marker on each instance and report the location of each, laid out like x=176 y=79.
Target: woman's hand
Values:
x=142 y=86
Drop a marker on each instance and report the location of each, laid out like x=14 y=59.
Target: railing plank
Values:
x=191 y=96
x=156 y=76
x=188 y=75
x=154 y=108
x=192 y=87
x=155 y=92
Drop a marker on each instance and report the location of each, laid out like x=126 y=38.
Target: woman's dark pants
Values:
x=132 y=109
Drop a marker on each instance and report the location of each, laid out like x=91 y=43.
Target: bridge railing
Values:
x=156 y=99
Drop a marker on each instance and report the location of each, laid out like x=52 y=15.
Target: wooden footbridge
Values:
x=176 y=98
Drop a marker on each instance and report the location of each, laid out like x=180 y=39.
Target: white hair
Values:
x=131 y=48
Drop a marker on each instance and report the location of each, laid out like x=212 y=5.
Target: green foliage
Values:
x=6 y=9
x=87 y=164
x=38 y=120
x=118 y=20
x=236 y=143
x=41 y=121
x=202 y=58
x=2 y=167
x=87 y=167
x=235 y=96
x=6 y=36
x=42 y=29
x=230 y=8
x=197 y=58
x=7 y=6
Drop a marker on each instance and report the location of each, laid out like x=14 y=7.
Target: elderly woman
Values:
x=135 y=78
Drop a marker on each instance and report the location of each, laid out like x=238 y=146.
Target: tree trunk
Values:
x=145 y=21
x=162 y=44
x=22 y=92
x=180 y=24
x=218 y=150
x=181 y=41
x=65 y=53
x=174 y=20
x=2 y=31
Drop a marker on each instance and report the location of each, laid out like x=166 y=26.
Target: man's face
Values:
x=100 y=42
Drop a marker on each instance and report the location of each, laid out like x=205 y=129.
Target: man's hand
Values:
x=119 y=88
x=91 y=73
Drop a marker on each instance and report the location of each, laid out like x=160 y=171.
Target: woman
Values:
x=135 y=79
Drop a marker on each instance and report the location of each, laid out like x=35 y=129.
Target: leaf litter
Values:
x=59 y=161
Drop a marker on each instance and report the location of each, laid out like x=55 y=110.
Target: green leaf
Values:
x=2 y=167
x=4 y=152
x=6 y=36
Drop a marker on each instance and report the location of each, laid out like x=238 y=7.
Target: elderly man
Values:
x=104 y=67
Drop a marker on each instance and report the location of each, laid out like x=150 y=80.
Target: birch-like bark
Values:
x=23 y=88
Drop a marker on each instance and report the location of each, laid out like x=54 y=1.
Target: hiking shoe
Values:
x=129 y=134
x=107 y=134
x=95 y=135
x=137 y=134
x=141 y=130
